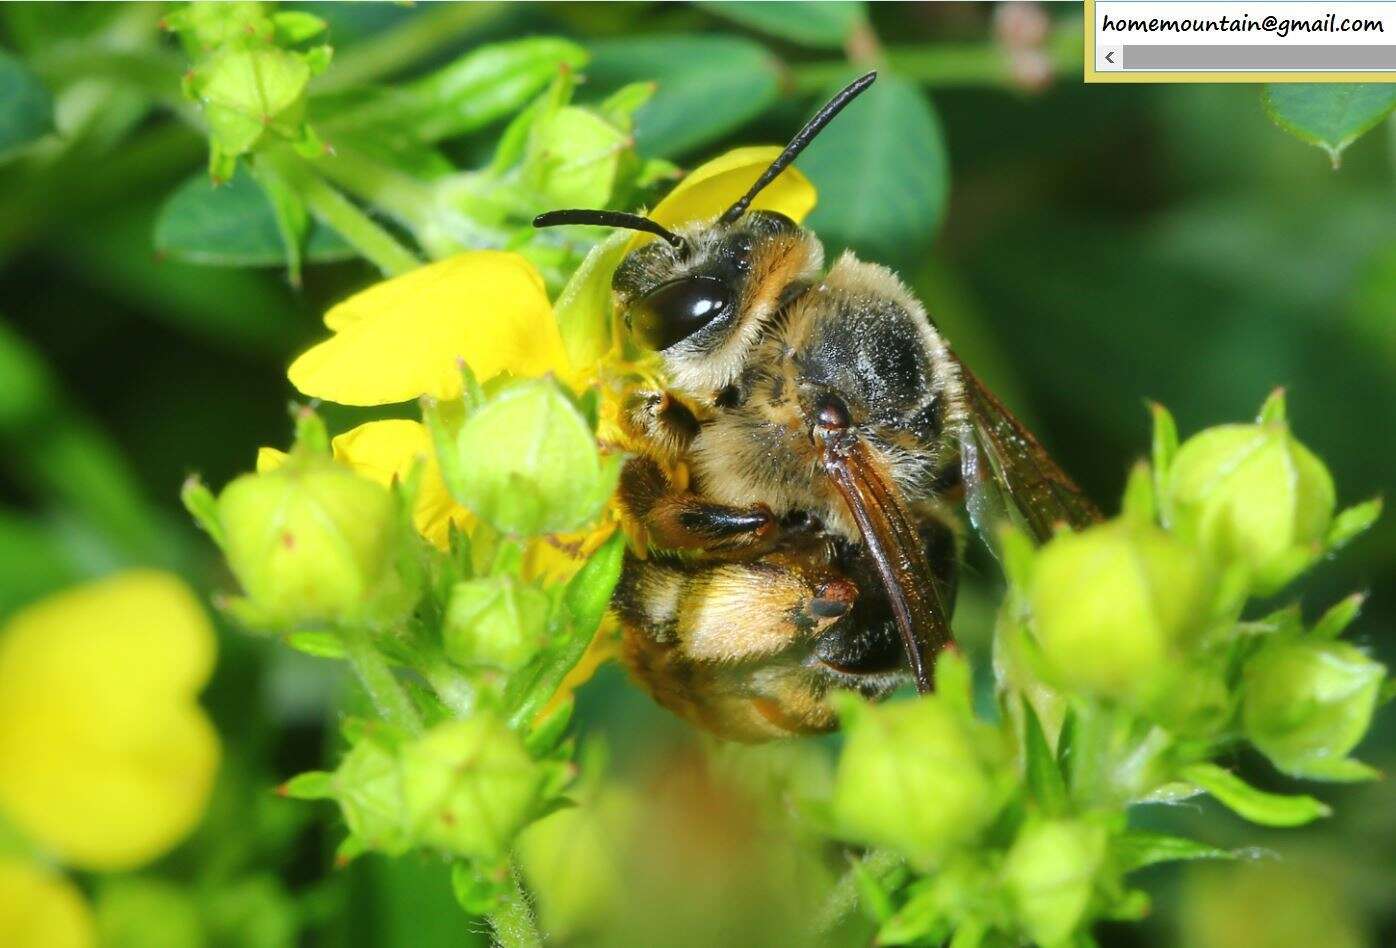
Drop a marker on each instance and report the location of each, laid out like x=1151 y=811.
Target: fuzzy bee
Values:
x=797 y=479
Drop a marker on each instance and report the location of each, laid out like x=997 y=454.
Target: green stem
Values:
x=843 y=898
x=410 y=201
x=513 y=922
x=947 y=64
x=454 y=689
x=432 y=28
x=386 y=692
x=337 y=211
x=405 y=198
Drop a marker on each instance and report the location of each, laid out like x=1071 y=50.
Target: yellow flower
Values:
x=710 y=189
x=402 y=338
x=386 y=450
x=41 y=909
x=106 y=759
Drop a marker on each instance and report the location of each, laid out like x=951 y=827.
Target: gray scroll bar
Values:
x=1207 y=58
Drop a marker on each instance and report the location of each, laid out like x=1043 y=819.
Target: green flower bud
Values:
x=573 y=865
x=1252 y=495
x=1113 y=606
x=1050 y=873
x=573 y=157
x=470 y=786
x=204 y=27
x=495 y=622
x=1306 y=704
x=918 y=776
x=309 y=541
x=250 y=94
x=528 y=462
x=368 y=787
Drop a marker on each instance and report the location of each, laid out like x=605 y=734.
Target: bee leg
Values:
x=665 y=425
x=681 y=520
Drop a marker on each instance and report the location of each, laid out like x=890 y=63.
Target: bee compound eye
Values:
x=677 y=309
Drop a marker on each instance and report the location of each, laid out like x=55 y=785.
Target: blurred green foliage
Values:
x=1083 y=247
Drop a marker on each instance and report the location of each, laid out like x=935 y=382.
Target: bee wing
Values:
x=1009 y=476
x=896 y=551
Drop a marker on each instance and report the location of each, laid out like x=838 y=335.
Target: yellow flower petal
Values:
x=710 y=189
x=401 y=338
x=106 y=758
x=383 y=450
x=41 y=909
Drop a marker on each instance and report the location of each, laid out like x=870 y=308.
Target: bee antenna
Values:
x=797 y=144
x=609 y=219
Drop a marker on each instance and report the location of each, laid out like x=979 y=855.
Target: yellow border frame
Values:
x=1094 y=75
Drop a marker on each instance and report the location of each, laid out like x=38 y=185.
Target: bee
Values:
x=796 y=479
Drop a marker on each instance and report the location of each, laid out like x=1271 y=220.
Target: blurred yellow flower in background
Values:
x=39 y=908
x=106 y=758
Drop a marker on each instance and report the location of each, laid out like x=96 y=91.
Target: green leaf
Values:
x=1136 y=849
x=882 y=173
x=292 y=218
x=479 y=891
x=1345 y=770
x=588 y=594
x=921 y=919
x=1044 y=775
x=36 y=558
x=873 y=896
x=295 y=26
x=955 y=681
x=1140 y=503
x=29 y=390
x=545 y=735
x=708 y=86
x=1165 y=449
x=585 y=600
x=1329 y=115
x=317 y=642
x=203 y=507
x=313 y=785
x=1066 y=742
x=1339 y=616
x=824 y=25
x=234 y=225
x=479 y=88
x=1017 y=553
x=1273 y=411
x=26 y=108
x=1353 y=522
x=133 y=912
x=1267 y=809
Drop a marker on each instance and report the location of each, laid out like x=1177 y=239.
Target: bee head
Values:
x=701 y=304
x=701 y=294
